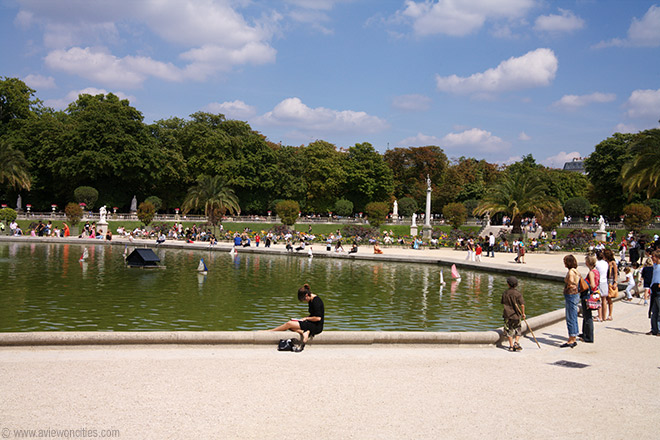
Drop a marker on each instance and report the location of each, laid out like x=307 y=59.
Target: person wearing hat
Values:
x=514 y=312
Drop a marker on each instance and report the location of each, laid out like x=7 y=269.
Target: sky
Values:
x=490 y=79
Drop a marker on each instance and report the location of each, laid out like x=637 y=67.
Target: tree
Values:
x=577 y=207
x=16 y=103
x=8 y=215
x=13 y=167
x=407 y=206
x=86 y=195
x=654 y=204
x=287 y=211
x=343 y=207
x=325 y=175
x=455 y=213
x=156 y=201
x=368 y=178
x=410 y=166
x=213 y=195
x=515 y=196
x=74 y=213
x=637 y=216
x=465 y=179
x=550 y=217
x=377 y=213
x=146 y=212
x=603 y=167
x=643 y=171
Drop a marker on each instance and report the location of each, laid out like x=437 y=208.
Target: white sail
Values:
x=201 y=267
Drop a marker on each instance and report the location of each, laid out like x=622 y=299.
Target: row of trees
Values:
x=102 y=142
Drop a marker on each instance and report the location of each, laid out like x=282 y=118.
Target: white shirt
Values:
x=601 y=267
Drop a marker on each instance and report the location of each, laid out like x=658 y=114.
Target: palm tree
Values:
x=515 y=196
x=643 y=172
x=211 y=194
x=13 y=167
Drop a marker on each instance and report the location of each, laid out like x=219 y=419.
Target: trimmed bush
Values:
x=288 y=210
x=86 y=195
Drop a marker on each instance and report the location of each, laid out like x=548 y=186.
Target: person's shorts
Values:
x=512 y=327
x=314 y=328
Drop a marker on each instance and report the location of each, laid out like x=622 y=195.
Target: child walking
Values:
x=514 y=312
x=630 y=284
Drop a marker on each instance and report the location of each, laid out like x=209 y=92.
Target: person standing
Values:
x=571 y=299
x=513 y=313
x=491 y=245
x=593 y=279
x=601 y=267
x=654 y=309
x=612 y=281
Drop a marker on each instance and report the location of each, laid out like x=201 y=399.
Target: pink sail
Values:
x=454 y=271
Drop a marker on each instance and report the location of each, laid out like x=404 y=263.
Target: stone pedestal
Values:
x=426 y=232
x=601 y=236
x=413 y=231
x=103 y=226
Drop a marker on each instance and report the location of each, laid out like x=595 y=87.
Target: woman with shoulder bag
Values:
x=612 y=282
x=571 y=298
x=593 y=279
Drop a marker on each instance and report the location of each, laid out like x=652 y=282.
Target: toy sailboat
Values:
x=233 y=250
x=201 y=268
x=454 y=272
x=85 y=255
x=442 y=278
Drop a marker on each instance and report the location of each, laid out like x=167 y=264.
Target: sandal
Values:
x=512 y=348
x=517 y=346
x=609 y=319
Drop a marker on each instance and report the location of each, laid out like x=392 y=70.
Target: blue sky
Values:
x=491 y=79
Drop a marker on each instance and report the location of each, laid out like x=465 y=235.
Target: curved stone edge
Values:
x=491 y=337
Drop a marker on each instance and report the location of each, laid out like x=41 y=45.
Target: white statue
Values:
x=395 y=210
x=428 y=182
x=102 y=214
x=601 y=224
x=414 y=219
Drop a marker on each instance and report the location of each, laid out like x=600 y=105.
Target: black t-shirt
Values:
x=316 y=308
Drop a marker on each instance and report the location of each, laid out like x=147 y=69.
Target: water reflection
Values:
x=241 y=292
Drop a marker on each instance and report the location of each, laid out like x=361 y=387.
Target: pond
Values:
x=46 y=288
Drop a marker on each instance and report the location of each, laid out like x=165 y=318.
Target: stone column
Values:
x=427 y=229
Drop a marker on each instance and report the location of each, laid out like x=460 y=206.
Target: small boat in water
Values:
x=454 y=272
x=201 y=267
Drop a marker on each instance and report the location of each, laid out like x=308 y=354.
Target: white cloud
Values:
x=644 y=104
x=294 y=113
x=212 y=36
x=475 y=139
x=524 y=136
x=411 y=103
x=40 y=82
x=509 y=161
x=534 y=69
x=572 y=102
x=420 y=140
x=626 y=128
x=644 y=32
x=99 y=65
x=459 y=18
x=559 y=159
x=232 y=109
x=566 y=22
x=60 y=104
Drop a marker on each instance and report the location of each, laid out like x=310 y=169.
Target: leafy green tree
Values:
x=146 y=212
x=550 y=217
x=8 y=215
x=377 y=213
x=106 y=145
x=13 y=167
x=516 y=195
x=212 y=194
x=410 y=166
x=16 y=104
x=465 y=179
x=368 y=178
x=156 y=201
x=637 y=216
x=74 y=213
x=86 y=195
x=407 y=206
x=325 y=175
x=455 y=214
x=577 y=207
x=343 y=207
x=604 y=168
x=287 y=211
x=654 y=204
x=643 y=171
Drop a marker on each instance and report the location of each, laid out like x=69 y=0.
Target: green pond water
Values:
x=44 y=287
